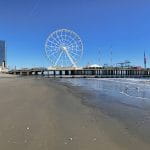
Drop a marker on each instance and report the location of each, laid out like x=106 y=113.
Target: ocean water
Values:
x=134 y=88
x=135 y=92
x=124 y=100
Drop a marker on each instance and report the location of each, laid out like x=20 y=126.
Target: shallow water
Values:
x=137 y=88
x=135 y=92
x=124 y=100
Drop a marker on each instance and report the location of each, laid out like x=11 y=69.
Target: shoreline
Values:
x=39 y=113
x=135 y=119
x=4 y=75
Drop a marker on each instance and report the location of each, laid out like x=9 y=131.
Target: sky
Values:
x=123 y=25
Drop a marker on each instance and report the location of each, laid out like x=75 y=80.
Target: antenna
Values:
x=99 y=56
x=145 y=61
x=111 y=55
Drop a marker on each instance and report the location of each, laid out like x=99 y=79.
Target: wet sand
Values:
x=41 y=114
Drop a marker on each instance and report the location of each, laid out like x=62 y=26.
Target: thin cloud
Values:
x=34 y=9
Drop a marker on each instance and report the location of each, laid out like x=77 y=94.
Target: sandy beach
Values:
x=41 y=114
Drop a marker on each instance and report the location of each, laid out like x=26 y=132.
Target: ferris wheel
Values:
x=64 y=48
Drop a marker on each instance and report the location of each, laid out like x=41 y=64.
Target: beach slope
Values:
x=40 y=114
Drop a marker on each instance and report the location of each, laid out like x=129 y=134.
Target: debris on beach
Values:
x=94 y=139
x=28 y=128
x=69 y=140
x=25 y=141
x=65 y=143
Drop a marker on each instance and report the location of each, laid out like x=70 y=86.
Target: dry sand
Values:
x=39 y=114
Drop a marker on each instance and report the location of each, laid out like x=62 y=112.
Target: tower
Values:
x=145 y=60
x=111 y=53
x=2 y=53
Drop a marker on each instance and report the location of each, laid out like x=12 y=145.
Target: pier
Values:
x=85 y=72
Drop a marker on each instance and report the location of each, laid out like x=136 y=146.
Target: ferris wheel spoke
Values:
x=55 y=39
x=62 y=37
x=74 y=50
x=51 y=51
x=75 y=41
x=50 y=48
x=67 y=39
x=53 y=43
x=74 y=53
x=58 y=38
x=65 y=36
x=76 y=47
x=55 y=52
x=72 y=42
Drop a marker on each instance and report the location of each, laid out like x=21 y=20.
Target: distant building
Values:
x=2 y=53
x=2 y=56
x=94 y=66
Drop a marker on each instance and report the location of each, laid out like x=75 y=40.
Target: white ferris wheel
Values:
x=64 y=48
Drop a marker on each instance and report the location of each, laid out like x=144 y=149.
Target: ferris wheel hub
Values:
x=64 y=48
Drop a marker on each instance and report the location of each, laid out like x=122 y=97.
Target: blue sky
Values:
x=123 y=25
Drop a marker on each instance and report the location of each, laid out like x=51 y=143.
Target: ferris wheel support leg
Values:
x=70 y=58
x=58 y=59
